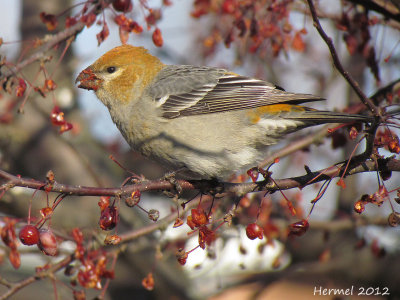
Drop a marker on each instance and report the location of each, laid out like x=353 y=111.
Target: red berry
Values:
x=108 y=218
x=157 y=37
x=253 y=173
x=29 y=235
x=57 y=116
x=123 y=5
x=228 y=6
x=181 y=256
x=393 y=146
x=254 y=231
x=299 y=228
x=199 y=217
x=47 y=242
x=148 y=282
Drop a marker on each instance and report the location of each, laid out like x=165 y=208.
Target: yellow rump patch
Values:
x=256 y=114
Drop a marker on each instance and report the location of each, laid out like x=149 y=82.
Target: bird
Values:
x=201 y=122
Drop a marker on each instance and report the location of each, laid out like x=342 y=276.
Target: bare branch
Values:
x=15 y=287
x=64 y=35
x=389 y=9
x=239 y=189
x=354 y=84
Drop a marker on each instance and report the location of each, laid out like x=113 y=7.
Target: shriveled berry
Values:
x=359 y=207
x=299 y=228
x=15 y=258
x=108 y=218
x=112 y=239
x=133 y=199
x=199 y=217
x=148 y=282
x=181 y=256
x=394 y=219
x=157 y=37
x=178 y=222
x=153 y=214
x=47 y=242
x=393 y=146
x=29 y=235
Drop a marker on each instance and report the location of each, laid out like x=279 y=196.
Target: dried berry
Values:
x=14 y=258
x=199 y=217
x=359 y=206
x=178 y=222
x=47 y=242
x=181 y=256
x=133 y=199
x=394 y=219
x=112 y=239
x=148 y=282
x=108 y=218
x=299 y=228
x=153 y=214
x=50 y=20
x=157 y=38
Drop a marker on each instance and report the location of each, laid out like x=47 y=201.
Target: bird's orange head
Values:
x=120 y=73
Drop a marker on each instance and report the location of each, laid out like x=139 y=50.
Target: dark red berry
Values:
x=299 y=228
x=122 y=5
x=47 y=242
x=254 y=231
x=29 y=235
x=108 y=218
x=157 y=37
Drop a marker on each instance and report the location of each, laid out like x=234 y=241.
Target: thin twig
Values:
x=15 y=287
x=296 y=145
x=56 y=39
x=354 y=84
x=162 y=223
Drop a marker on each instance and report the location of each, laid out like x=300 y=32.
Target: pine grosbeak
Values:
x=206 y=122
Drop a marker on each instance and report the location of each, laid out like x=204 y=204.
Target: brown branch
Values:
x=347 y=223
x=162 y=223
x=15 y=287
x=53 y=41
x=336 y=61
x=388 y=9
x=40 y=54
x=239 y=189
x=395 y=24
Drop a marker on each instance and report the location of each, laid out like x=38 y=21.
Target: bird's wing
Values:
x=188 y=90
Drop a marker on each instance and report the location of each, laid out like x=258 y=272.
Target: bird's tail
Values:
x=314 y=117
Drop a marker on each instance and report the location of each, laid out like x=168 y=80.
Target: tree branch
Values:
x=239 y=189
x=336 y=61
x=15 y=287
x=388 y=9
x=64 y=35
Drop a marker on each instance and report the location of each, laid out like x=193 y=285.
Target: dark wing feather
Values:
x=188 y=90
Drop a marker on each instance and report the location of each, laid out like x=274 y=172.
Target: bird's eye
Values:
x=111 y=69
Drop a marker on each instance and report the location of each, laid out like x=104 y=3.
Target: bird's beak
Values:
x=88 y=80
